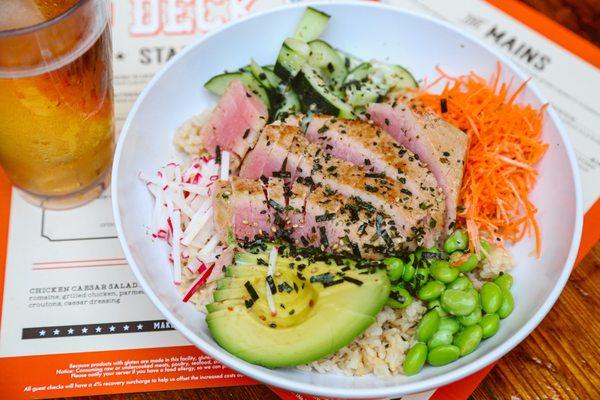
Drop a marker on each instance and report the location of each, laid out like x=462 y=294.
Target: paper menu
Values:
x=66 y=278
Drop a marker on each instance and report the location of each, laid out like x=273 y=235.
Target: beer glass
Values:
x=56 y=99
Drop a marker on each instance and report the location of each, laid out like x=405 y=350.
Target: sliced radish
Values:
x=273 y=260
x=224 y=165
x=198 y=283
x=199 y=219
x=195 y=265
x=206 y=251
x=176 y=247
x=270 y=300
x=270 y=272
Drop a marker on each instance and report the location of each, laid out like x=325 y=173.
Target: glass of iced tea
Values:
x=56 y=99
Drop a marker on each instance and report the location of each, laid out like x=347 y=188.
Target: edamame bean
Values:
x=440 y=338
x=395 y=268
x=457 y=241
x=475 y=294
x=508 y=304
x=442 y=271
x=409 y=272
x=443 y=355
x=428 y=325
x=468 y=339
x=399 y=298
x=457 y=302
x=461 y=283
x=415 y=359
x=491 y=297
x=431 y=291
x=471 y=319
x=437 y=306
x=489 y=325
x=504 y=280
x=487 y=248
x=422 y=274
x=469 y=264
x=449 y=324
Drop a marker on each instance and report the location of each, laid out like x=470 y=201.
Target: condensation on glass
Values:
x=56 y=99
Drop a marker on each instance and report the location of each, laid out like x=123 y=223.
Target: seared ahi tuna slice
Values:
x=269 y=153
x=276 y=201
x=242 y=206
x=296 y=198
x=362 y=143
x=268 y=158
x=350 y=180
x=256 y=158
x=223 y=213
x=275 y=165
x=235 y=123
x=439 y=144
x=336 y=223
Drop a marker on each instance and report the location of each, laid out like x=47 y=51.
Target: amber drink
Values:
x=56 y=99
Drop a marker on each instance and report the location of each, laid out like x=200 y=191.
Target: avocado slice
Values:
x=321 y=307
x=218 y=305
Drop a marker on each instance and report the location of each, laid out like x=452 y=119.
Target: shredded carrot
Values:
x=504 y=147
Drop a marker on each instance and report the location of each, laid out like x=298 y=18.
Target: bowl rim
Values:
x=264 y=375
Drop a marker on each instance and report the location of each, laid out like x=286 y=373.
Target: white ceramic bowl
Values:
x=368 y=31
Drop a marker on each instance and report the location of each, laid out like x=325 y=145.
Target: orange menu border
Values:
x=13 y=369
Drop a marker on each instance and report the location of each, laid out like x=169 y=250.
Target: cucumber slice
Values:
x=266 y=77
x=359 y=73
x=350 y=61
x=326 y=59
x=291 y=58
x=311 y=25
x=218 y=84
x=401 y=78
x=289 y=106
x=316 y=96
x=362 y=94
x=369 y=82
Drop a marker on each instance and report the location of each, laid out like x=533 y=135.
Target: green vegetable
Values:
x=443 y=355
x=468 y=339
x=399 y=298
x=457 y=302
x=395 y=268
x=475 y=294
x=428 y=325
x=312 y=24
x=431 y=291
x=504 y=280
x=440 y=338
x=461 y=283
x=470 y=264
x=457 y=241
x=437 y=306
x=472 y=318
x=422 y=274
x=449 y=324
x=325 y=294
x=409 y=269
x=415 y=359
x=441 y=270
x=486 y=247
x=491 y=297
x=508 y=304
x=489 y=325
